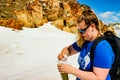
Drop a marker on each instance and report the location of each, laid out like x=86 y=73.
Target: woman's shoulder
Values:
x=103 y=43
x=104 y=47
x=104 y=55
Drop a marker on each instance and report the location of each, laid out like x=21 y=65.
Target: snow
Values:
x=31 y=54
x=117 y=30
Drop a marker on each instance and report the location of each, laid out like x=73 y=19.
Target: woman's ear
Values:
x=93 y=25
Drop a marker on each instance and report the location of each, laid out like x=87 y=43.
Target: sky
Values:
x=106 y=10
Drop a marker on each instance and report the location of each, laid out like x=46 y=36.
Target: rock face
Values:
x=34 y=13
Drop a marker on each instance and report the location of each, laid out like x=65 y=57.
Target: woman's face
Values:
x=85 y=31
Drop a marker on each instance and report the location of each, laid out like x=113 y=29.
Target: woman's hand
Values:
x=64 y=53
x=65 y=68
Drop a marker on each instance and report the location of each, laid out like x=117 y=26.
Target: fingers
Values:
x=60 y=56
x=63 y=53
x=61 y=68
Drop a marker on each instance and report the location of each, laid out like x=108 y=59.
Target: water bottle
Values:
x=64 y=76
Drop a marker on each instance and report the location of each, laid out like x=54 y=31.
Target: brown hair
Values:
x=89 y=17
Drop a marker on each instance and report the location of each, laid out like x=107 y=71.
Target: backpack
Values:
x=115 y=44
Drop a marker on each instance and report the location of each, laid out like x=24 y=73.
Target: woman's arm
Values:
x=97 y=74
x=69 y=50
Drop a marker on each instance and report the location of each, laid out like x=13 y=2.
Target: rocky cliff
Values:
x=34 y=13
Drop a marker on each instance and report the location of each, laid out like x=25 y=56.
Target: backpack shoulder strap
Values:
x=93 y=48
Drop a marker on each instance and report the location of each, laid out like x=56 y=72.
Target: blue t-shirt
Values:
x=103 y=56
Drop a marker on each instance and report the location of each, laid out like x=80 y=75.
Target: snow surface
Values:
x=117 y=30
x=31 y=54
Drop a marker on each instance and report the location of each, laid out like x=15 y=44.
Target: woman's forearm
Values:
x=84 y=75
x=71 y=50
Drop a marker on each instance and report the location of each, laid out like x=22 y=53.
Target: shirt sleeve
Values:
x=76 y=47
x=103 y=55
